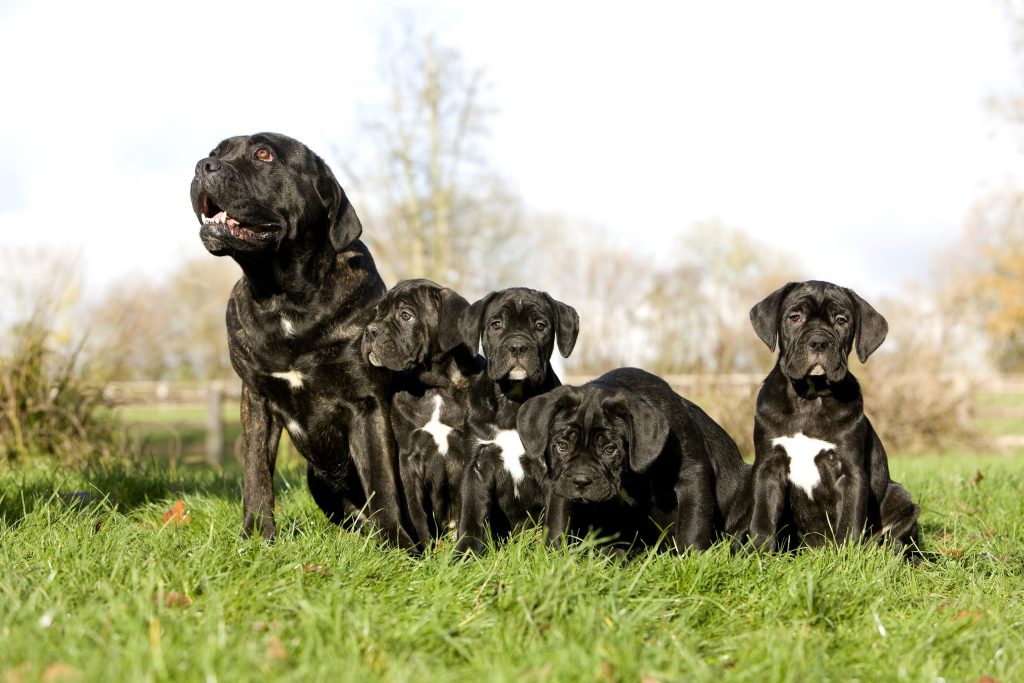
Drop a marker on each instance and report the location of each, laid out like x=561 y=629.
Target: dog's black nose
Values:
x=208 y=165
x=372 y=330
x=582 y=481
x=517 y=349
x=818 y=345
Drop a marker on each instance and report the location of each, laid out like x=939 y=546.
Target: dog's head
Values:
x=518 y=328
x=256 y=195
x=590 y=436
x=414 y=322
x=816 y=325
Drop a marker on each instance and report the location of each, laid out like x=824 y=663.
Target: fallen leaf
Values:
x=649 y=679
x=977 y=477
x=176 y=515
x=173 y=599
x=988 y=679
x=276 y=649
x=59 y=671
x=262 y=626
x=311 y=568
x=967 y=614
x=607 y=671
x=953 y=552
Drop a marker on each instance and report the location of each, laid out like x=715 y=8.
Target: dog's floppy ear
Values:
x=871 y=327
x=567 y=325
x=533 y=421
x=471 y=322
x=450 y=307
x=345 y=227
x=649 y=428
x=764 y=316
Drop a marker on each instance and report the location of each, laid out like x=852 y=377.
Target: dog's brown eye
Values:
x=406 y=316
x=541 y=325
x=496 y=324
x=795 y=317
x=561 y=446
x=610 y=449
x=841 y=320
x=264 y=154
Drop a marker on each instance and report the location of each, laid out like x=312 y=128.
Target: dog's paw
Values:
x=469 y=545
x=261 y=524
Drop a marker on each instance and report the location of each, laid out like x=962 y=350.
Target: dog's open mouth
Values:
x=374 y=360
x=817 y=370
x=218 y=219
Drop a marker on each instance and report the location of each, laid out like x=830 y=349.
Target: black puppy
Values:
x=633 y=459
x=820 y=470
x=504 y=483
x=294 y=323
x=415 y=333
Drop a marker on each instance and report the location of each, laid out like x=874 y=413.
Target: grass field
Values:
x=94 y=586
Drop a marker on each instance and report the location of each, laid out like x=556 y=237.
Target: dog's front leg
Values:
x=768 y=480
x=694 y=524
x=477 y=500
x=261 y=433
x=372 y=444
x=556 y=519
x=854 y=492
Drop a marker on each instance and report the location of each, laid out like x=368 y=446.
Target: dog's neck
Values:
x=444 y=369
x=294 y=272
x=815 y=387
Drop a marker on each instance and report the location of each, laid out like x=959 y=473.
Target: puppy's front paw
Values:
x=470 y=545
x=264 y=524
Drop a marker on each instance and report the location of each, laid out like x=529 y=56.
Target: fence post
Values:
x=215 y=424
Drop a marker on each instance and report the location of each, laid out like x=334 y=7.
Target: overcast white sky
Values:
x=855 y=135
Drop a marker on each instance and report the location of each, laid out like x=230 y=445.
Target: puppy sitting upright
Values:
x=820 y=470
x=632 y=458
x=504 y=484
x=415 y=334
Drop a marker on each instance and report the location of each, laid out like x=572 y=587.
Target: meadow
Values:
x=102 y=577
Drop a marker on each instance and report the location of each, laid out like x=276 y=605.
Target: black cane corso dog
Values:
x=632 y=459
x=294 y=322
x=415 y=334
x=820 y=471
x=504 y=484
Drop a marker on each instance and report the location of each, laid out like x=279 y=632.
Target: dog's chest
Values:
x=433 y=424
x=509 y=449
x=803 y=452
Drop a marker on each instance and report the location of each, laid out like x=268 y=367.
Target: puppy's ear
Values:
x=450 y=307
x=871 y=327
x=471 y=322
x=764 y=316
x=344 y=226
x=649 y=432
x=533 y=421
x=567 y=326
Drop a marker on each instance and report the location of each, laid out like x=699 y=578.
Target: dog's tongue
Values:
x=817 y=371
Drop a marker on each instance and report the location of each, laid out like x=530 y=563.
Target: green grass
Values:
x=90 y=589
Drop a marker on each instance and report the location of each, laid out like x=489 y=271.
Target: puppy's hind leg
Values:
x=899 y=515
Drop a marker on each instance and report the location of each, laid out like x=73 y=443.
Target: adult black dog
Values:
x=632 y=459
x=820 y=470
x=294 y=323
x=415 y=333
x=505 y=484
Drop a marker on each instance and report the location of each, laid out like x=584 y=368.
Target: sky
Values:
x=853 y=135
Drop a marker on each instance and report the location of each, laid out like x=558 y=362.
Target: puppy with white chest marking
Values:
x=820 y=471
x=415 y=334
x=632 y=459
x=504 y=484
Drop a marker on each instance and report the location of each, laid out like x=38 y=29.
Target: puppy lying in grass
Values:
x=631 y=459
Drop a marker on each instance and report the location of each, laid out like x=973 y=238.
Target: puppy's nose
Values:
x=581 y=480
x=517 y=349
x=208 y=165
x=372 y=330
x=818 y=345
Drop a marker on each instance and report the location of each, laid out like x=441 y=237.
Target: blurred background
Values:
x=660 y=168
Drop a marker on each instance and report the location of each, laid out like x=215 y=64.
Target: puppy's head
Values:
x=255 y=195
x=415 y=321
x=590 y=437
x=816 y=325
x=518 y=328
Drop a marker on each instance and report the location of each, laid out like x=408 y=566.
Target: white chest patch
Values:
x=286 y=325
x=802 y=450
x=512 y=451
x=438 y=429
x=293 y=377
x=293 y=428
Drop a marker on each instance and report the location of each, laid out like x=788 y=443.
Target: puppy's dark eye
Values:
x=561 y=446
x=795 y=317
x=496 y=324
x=406 y=316
x=264 y=154
x=610 y=449
x=541 y=325
x=842 y=321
